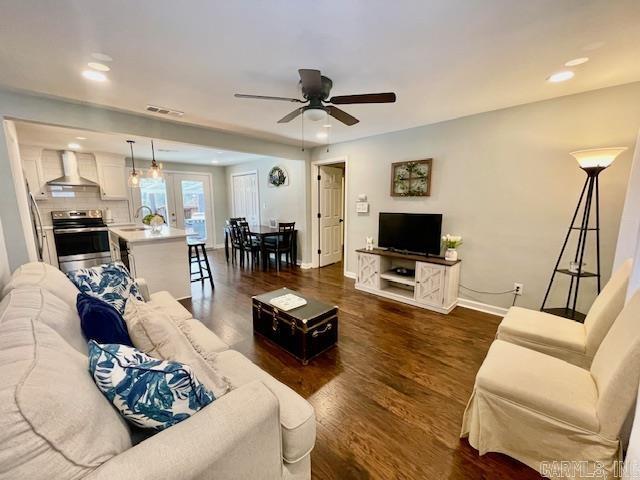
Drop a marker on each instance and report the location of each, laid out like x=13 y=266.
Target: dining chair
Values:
x=250 y=244
x=235 y=238
x=282 y=243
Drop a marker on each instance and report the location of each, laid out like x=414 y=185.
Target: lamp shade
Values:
x=597 y=157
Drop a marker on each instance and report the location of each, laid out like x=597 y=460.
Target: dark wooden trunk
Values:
x=304 y=332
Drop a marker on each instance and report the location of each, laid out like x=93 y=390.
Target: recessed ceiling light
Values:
x=103 y=57
x=214 y=161
x=81 y=138
x=322 y=135
x=74 y=146
x=94 y=75
x=326 y=125
x=101 y=67
x=561 y=76
x=576 y=61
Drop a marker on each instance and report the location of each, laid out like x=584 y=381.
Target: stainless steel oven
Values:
x=82 y=239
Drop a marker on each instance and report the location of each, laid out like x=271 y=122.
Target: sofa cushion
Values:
x=101 y=322
x=45 y=307
x=170 y=305
x=39 y=274
x=297 y=416
x=156 y=334
x=110 y=282
x=203 y=340
x=149 y=392
x=541 y=383
x=542 y=328
x=54 y=422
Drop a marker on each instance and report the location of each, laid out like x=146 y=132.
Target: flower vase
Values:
x=451 y=254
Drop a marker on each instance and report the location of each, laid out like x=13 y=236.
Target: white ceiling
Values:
x=443 y=58
x=58 y=138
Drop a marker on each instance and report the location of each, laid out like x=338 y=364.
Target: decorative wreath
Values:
x=277 y=176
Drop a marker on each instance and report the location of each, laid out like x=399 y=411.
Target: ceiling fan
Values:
x=315 y=89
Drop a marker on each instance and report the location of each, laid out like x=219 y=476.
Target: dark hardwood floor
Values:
x=389 y=399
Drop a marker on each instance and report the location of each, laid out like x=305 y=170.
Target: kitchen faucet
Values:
x=137 y=214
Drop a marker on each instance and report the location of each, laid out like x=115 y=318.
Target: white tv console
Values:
x=434 y=286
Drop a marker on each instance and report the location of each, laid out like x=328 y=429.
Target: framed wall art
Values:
x=412 y=178
x=277 y=177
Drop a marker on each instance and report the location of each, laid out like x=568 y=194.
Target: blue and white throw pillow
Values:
x=148 y=392
x=110 y=282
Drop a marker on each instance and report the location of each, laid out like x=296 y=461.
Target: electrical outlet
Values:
x=518 y=287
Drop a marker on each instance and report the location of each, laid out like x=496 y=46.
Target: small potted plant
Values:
x=155 y=221
x=451 y=242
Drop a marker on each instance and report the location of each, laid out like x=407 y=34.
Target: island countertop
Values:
x=137 y=234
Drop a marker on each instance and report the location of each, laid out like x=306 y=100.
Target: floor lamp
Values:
x=592 y=161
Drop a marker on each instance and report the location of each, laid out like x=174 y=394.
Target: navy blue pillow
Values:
x=101 y=322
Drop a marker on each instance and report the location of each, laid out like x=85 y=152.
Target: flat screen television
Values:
x=410 y=232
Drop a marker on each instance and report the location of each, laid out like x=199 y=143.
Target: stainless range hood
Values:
x=71 y=177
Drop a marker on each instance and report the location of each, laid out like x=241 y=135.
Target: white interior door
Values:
x=330 y=215
x=246 y=197
x=193 y=205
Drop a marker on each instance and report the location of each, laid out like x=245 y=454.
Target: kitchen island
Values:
x=161 y=258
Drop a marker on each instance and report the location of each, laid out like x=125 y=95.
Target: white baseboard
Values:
x=350 y=275
x=482 y=307
x=218 y=245
x=305 y=266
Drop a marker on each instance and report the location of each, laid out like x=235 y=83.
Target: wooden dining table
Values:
x=263 y=232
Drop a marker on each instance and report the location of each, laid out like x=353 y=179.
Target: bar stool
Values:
x=196 y=246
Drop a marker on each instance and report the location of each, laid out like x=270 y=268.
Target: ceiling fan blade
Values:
x=341 y=115
x=266 y=97
x=291 y=116
x=388 y=97
x=311 y=79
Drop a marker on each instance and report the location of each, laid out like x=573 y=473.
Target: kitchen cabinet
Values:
x=112 y=176
x=49 y=254
x=114 y=246
x=160 y=258
x=31 y=158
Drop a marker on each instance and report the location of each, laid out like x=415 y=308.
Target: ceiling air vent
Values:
x=164 y=111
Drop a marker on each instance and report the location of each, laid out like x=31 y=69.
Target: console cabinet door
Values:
x=369 y=270
x=430 y=284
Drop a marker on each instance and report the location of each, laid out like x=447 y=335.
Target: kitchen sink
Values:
x=134 y=229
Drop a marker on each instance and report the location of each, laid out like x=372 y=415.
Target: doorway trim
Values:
x=233 y=196
x=315 y=240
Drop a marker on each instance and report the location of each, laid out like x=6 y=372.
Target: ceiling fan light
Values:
x=315 y=114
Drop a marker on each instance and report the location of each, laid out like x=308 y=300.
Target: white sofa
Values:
x=55 y=423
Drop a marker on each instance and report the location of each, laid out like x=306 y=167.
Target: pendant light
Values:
x=155 y=171
x=134 y=176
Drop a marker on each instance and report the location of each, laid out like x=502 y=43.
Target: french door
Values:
x=183 y=199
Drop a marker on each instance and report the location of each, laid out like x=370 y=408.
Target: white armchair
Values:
x=566 y=339
x=537 y=408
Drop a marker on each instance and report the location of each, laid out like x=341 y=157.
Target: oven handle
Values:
x=81 y=230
